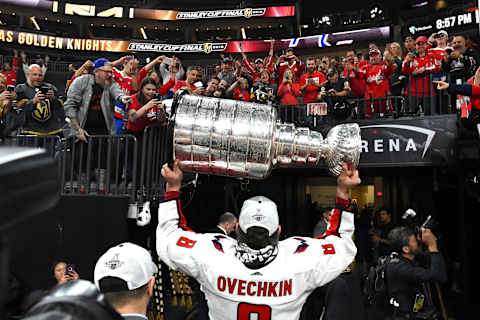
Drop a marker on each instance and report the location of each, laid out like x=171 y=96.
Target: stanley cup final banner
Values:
x=40 y=40
x=410 y=142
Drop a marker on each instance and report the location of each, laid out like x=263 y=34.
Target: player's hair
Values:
x=227 y=217
x=257 y=237
x=121 y=298
x=399 y=237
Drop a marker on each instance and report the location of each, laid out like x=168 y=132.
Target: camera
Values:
x=438 y=36
x=449 y=51
x=10 y=88
x=413 y=221
x=44 y=89
x=157 y=96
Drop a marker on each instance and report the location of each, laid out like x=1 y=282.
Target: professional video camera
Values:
x=412 y=220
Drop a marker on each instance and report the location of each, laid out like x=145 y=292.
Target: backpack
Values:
x=375 y=288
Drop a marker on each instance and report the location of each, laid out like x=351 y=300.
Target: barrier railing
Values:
x=106 y=165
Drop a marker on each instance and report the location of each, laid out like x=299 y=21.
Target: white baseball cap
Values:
x=259 y=212
x=128 y=262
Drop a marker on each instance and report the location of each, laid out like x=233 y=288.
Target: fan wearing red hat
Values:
x=419 y=67
x=256 y=69
x=376 y=75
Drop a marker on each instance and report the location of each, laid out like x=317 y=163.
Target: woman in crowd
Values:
x=288 y=91
x=145 y=109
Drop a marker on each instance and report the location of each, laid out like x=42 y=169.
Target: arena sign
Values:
x=197 y=47
x=411 y=142
x=33 y=39
x=87 y=10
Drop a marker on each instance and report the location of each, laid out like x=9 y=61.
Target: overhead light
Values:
x=143 y=33
x=305 y=26
x=244 y=35
x=35 y=24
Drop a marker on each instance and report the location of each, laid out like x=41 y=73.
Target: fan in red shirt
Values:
x=419 y=67
x=192 y=77
x=357 y=85
x=256 y=70
x=145 y=109
x=241 y=91
x=376 y=74
x=289 y=61
x=311 y=82
x=10 y=71
x=288 y=92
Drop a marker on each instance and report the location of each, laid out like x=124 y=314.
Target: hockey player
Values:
x=258 y=274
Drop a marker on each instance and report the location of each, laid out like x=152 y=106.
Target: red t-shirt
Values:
x=310 y=92
x=149 y=118
x=239 y=94
x=12 y=74
x=289 y=93
x=182 y=83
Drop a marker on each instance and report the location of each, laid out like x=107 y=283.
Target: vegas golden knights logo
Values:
x=42 y=111
x=247 y=13
x=207 y=47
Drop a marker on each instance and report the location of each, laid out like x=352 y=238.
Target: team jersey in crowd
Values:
x=126 y=83
x=253 y=72
x=12 y=74
x=420 y=84
x=275 y=291
x=357 y=85
x=296 y=67
x=376 y=77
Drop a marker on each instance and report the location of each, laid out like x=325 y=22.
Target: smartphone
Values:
x=157 y=96
x=69 y=268
x=438 y=36
x=10 y=88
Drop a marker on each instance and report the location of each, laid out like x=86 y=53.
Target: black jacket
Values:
x=45 y=118
x=405 y=278
x=462 y=68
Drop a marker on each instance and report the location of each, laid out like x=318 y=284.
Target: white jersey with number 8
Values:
x=275 y=291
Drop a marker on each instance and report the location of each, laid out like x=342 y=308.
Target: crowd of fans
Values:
x=375 y=78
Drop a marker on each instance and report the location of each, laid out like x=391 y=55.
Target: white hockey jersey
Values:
x=233 y=291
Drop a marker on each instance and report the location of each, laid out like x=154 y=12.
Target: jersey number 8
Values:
x=246 y=310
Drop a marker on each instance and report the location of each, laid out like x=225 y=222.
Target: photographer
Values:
x=461 y=63
x=335 y=93
x=406 y=279
x=43 y=111
x=289 y=61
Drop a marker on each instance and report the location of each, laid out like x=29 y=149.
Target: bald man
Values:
x=44 y=114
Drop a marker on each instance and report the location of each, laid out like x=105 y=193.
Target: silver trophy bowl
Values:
x=240 y=139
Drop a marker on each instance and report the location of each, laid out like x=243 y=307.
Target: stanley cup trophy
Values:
x=240 y=139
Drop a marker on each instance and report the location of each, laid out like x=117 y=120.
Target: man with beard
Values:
x=405 y=278
x=311 y=82
x=44 y=113
x=90 y=100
